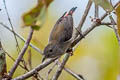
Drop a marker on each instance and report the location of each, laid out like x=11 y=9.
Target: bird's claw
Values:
x=70 y=51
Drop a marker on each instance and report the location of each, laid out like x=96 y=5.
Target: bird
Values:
x=60 y=37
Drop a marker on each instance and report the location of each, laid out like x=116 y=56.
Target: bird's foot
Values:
x=70 y=51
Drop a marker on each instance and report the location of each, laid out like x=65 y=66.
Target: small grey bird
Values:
x=60 y=37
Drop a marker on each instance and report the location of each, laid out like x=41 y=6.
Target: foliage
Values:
x=36 y=16
x=105 y=4
x=118 y=18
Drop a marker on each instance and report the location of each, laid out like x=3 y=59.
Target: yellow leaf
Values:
x=36 y=16
x=105 y=4
x=118 y=18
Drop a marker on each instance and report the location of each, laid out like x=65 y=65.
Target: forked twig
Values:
x=19 y=36
x=17 y=44
x=21 y=54
x=115 y=30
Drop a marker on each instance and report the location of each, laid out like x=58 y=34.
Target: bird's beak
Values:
x=43 y=59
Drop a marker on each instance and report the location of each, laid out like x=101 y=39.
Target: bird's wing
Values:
x=63 y=29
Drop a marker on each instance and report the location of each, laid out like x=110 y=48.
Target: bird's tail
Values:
x=72 y=10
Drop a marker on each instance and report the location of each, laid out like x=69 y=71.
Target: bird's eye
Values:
x=51 y=50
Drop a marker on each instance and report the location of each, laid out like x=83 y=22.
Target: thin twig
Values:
x=107 y=23
x=115 y=30
x=19 y=36
x=11 y=25
x=25 y=68
x=61 y=66
x=77 y=76
x=22 y=66
x=111 y=2
x=96 y=11
x=33 y=71
x=84 y=15
x=14 y=61
x=50 y=70
x=21 y=53
x=17 y=44
x=91 y=28
x=84 y=33
x=107 y=13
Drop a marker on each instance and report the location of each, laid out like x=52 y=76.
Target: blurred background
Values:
x=95 y=57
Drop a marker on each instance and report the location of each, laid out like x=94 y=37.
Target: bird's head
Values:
x=52 y=50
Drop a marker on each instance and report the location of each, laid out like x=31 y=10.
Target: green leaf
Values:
x=105 y=4
x=36 y=16
x=29 y=18
x=118 y=18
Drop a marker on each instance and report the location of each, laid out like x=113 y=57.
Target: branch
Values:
x=21 y=54
x=107 y=23
x=77 y=76
x=107 y=13
x=14 y=61
x=91 y=28
x=115 y=30
x=61 y=66
x=50 y=70
x=35 y=70
x=19 y=36
x=96 y=11
x=17 y=44
x=85 y=33
x=23 y=67
x=84 y=15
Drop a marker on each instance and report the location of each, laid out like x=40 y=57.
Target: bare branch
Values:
x=17 y=44
x=61 y=66
x=21 y=54
x=84 y=33
x=84 y=15
x=14 y=61
x=91 y=28
x=96 y=11
x=50 y=70
x=77 y=76
x=115 y=30
x=107 y=23
x=19 y=36
x=33 y=71
x=23 y=67
x=107 y=13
